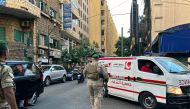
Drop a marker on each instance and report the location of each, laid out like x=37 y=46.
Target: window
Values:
x=43 y=6
x=18 y=36
x=149 y=67
x=53 y=13
x=102 y=12
x=173 y=65
x=43 y=40
x=24 y=37
x=24 y=69
x=2 y=33
x=33 y=2
x=28 y=38
x=102 y=32
x=60 y=68
x=56 y=44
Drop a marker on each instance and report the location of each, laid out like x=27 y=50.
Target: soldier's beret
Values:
x=3 y=46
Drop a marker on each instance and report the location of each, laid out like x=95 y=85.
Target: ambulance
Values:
x=167 y=81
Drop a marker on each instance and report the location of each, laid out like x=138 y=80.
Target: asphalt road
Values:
x=71 y=95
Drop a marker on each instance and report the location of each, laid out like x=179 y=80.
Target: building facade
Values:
x=49 y=41
x=102 y=28
x=168 y=13
x=70 y=31
x=17 y=27
x=165 y=14
x=83 y=18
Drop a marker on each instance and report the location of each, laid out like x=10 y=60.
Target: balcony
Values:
x=24 y=9
x=102 y=17
x=75 y=12
x=103 y=38
x=103 y=27
x=71 y=34
x=102 y=7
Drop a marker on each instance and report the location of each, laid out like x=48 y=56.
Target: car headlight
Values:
x=174 y=90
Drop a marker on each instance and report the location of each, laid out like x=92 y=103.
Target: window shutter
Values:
x=17 y=36
x=2 y=33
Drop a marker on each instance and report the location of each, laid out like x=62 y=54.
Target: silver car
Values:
x=53 y=73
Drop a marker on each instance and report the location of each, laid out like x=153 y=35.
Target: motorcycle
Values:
x=80 y=78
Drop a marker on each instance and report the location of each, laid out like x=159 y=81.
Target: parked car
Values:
x=72 y=75
x=53 y=73
x=28 y=79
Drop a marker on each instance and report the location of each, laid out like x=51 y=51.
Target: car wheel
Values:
x=148 y=101
x=47 y=81
x=63 y=80
x=34 y=99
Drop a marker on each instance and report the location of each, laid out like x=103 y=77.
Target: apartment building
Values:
x=49 y=41
x=102 y=28
x=17 y=27
x=165 y=14
x=168 y=13
x=83 y=18
x=70 y=31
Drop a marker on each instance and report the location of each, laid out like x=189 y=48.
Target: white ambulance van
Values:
x=165 y=81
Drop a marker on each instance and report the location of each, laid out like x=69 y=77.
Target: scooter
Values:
x=80 y=78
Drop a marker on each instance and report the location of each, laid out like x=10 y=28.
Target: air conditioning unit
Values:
x=51 y=41
x=41 y=51
x=51 y=53
x=25 y=24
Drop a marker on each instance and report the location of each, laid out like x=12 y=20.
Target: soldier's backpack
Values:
x=93 y=71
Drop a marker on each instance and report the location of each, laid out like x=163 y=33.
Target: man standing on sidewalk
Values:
x=7 y=93
x=95 y=74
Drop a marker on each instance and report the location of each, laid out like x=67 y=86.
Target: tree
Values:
x=126 y=46
x=80 y=53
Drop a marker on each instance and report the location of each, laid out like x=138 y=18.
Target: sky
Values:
x=120 y=7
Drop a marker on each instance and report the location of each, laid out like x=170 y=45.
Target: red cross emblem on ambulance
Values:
x=128 y=65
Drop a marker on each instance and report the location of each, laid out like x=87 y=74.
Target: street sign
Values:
x=2 y=2
x=67 y=16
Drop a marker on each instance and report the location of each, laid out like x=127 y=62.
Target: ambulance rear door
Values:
x=121 y=72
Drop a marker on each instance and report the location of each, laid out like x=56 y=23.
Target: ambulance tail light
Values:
x=174 y=90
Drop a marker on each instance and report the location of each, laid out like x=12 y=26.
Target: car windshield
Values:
x=46 y=68
x=173 y=65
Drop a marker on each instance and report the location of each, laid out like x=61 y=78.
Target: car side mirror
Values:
x=157 y=70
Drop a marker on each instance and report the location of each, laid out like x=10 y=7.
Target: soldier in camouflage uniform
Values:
x=7 y=93
x=95 y=85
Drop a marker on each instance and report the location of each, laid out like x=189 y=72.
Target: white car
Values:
x=53 y=73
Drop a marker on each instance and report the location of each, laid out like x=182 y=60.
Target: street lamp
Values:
x=50 y=30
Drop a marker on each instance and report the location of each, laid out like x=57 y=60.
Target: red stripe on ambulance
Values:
x=161 y=97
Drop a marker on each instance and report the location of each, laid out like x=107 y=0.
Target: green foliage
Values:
x=80 y=53
x=126 y=46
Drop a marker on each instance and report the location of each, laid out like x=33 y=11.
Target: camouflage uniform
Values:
x=96 y=86
x=6 y=78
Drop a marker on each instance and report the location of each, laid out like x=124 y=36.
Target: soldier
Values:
x=95 y=74
x=7 y=93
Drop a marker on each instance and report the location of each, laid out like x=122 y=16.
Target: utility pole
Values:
x=135 y=26
x=122 y=41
